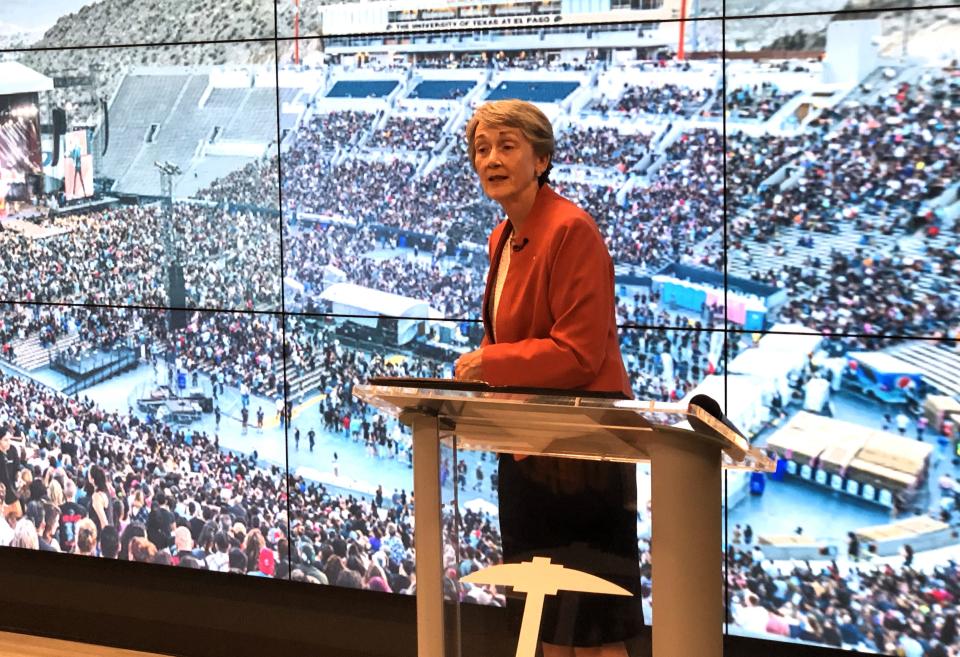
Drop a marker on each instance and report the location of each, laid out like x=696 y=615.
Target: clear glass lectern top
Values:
x=526 y=421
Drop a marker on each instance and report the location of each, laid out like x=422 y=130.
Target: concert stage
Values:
x=86 y=364
x=30 y=220
x=86 y=205
x=33 y=231
x=93 y=367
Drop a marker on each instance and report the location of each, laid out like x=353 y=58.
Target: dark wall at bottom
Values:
x=192 y=613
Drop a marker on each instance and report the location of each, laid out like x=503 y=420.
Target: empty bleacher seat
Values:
x=537 y=92
x=362 y=88
x=442 y=89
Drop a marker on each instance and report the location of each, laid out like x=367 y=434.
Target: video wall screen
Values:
x=257 y=227
x=842 y=197
x=828 y=8
x=390 y=126
x=89 y=23
x=19 y=146
x=189 y=141
x=77 y=167
x=863 y=501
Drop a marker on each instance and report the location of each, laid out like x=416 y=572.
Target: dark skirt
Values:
x=583 y=515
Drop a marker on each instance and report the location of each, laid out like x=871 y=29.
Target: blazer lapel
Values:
x=491 y=276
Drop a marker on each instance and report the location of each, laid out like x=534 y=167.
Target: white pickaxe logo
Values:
x=538 y=579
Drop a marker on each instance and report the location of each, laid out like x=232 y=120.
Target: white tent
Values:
x=332 y=275
x=15 y=78
x=774 y=367
x=364 y=305
x=293 y=284
x=798 y=340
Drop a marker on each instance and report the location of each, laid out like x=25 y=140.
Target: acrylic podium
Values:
x=687 y=449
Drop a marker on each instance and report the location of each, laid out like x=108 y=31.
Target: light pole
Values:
x=905 y=42
x=176 y=294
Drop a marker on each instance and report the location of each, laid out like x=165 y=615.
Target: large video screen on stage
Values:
x=778 y=194
x=77 y=166
x=19 y=144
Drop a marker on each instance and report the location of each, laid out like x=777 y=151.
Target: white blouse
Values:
x=501 y=279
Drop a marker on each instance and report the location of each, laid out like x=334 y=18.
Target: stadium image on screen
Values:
x=233 y=238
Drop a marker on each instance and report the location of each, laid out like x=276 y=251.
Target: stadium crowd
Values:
x=669 y=99
x=601 y=147
x=648 y=227
x=328 y=132
x=409 y=133
x=81 y=480
x=116 y=256
x=859 y=171
x=455 y=290
x=851 y=603
x=95 y=328
x=758 y=101
x=257 y=184
x=664 y=222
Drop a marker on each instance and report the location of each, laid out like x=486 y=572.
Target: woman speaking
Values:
x=549 y=321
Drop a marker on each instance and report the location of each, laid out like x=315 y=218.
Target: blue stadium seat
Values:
x=442 y=89
x=362 y=88
x=536 y=92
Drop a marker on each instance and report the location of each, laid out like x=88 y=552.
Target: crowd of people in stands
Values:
x=235 y=349
x=601 y=147
x=453 y=288
x=754 y=101
x=682 y=206
x=894 y=609
x=751 y=160
x=104 y=327
x=647 y=227
x=666 y=100
x=81 y=480
x=116 y=256
x=839 y=292
x=858 y=172
x=409 y=133
x=326 y=133
x=446 y=200
x=257 y=184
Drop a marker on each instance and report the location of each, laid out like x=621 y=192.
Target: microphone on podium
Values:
x=710 y=405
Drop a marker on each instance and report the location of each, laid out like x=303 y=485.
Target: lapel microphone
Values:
x=519 y=247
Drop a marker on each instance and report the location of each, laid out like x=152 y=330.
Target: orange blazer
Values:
x=557 y=324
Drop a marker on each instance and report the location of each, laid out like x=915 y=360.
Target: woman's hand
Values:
x=468 y=366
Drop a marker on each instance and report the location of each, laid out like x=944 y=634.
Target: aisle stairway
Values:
x=847 y=241
x=307 y=381
x=29 y=355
